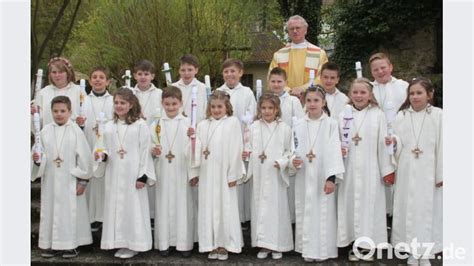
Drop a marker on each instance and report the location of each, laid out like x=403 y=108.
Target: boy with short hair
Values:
x=146 y=92
x=290 y=105
x=335 y=99
x=174 y=199
x=65 y=168
x=188 y=69
x=386 y=87
x=243 y=101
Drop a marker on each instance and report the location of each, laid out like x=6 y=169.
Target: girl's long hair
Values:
x=273 y=99
x=322 y=93
x=426 y=84
x=370 y=87
x=219 y=95
x=135 y=112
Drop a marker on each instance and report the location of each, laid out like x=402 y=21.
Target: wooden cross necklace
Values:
x=416 y=151
x=310 y=154
x=263 y=156
x=170 y=156
x=206 y=151
x=58 y=159
x=356 y=137
x=121 y=151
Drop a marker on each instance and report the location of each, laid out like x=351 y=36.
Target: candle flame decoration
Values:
x=157 y=126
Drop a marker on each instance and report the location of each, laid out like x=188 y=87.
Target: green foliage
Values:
x=43 y=15
x=119 y=33
x=364 y=27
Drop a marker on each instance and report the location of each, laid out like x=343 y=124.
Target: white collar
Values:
x=392 y=80
x=179 y=116
x=238 y=86
x=323 y=116
x=69 y=122
x=336 y=91
x=427 y=108
x=65 y=88
x=137 y=90
x=302 y=45
x=285 y=94
x=193 y=82
x=222 y=118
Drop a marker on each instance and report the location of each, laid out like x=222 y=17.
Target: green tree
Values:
x=51 y=26
x=117 y=34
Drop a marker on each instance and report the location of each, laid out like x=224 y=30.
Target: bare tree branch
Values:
x=51 y=30
x=73 y=19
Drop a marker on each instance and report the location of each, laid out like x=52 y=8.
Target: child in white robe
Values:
x=290 y=107
x=318 y=162
x=270 y=151
x=188 y=69
x=61 y=82
x=128 y=167
x=389 y=92
x=418 y=198
x=243 y=102
x=361 y=195
x=174 y=200
x=98 y=101
x=218 y=154
x=149 y=97
x=65 y=167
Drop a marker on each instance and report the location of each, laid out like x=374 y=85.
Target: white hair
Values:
x=297 y=17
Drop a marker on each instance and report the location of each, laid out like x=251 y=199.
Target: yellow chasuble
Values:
x=298 y=62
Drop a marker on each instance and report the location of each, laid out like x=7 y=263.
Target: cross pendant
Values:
x=262 y=157
x=58 y=161
x=310 y=156
x=96 y=130
x=206 y=153
x=356 y=139
x=417 y=152
x=170 y=156
x=121 y=152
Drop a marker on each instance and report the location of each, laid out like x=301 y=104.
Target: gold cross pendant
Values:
x=417 y=152
x=206 y=153
x=58 y=161
x=262 y=157
x=356 y=139
x=310 y=156
x=170 y=156
x=121 y=152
